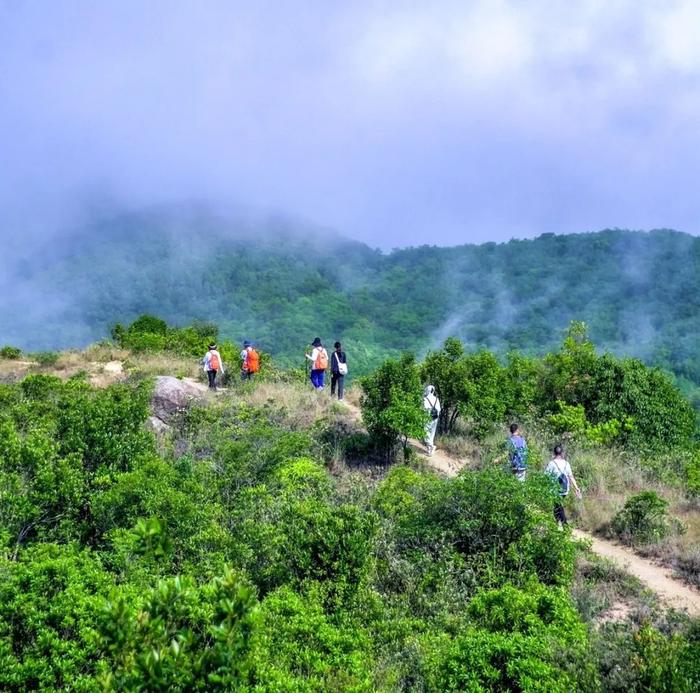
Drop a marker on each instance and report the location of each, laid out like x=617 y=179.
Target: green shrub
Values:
x=568 y=418
x=50 y=600
x=302 y=648
x=10 y=352
x=45 y=358
x=148 y=324
x=643 y=519
x=692 y=473
x=469 y=385
x=179 y=636
x=392 y=405
x=524 y=640
x=645 y=659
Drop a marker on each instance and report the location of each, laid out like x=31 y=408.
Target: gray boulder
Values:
x=172 y=396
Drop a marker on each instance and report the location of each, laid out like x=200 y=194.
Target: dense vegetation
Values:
x=281 y=286
x=226 y=556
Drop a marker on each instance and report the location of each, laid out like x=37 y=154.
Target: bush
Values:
x=50 y=600
x=524 y=640
x=179 y=636
x=10 y=352
x=302 y=648
x=643 y=520
x=148 y=324
x=46 y=358
x=692 y=473
x=392 y=405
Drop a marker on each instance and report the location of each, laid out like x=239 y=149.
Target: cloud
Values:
x=394 y=122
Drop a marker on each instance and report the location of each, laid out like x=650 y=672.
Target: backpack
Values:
x=518 y=456
x=434 y=413
x=252 y=361
x=563 y=481
x=321 y=360
x=342 y=365
x=214 y=364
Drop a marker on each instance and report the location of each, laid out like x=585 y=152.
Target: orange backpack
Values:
x=252 y=361
x=214 y=364
x=321 y=360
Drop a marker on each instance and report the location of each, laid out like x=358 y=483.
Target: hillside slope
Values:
x=282 y=284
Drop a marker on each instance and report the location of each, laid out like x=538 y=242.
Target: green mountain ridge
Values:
x=281 y=284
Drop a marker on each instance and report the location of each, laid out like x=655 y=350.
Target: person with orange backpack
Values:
x=250 y=361
x=213 y=364
x=319 y=363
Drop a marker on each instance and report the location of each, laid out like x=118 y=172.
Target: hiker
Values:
x=431 y=404
x=560 y=469
x=213 y=364
x=517 y=452
x=339 y=369
x=319 y=363
x=250 y=361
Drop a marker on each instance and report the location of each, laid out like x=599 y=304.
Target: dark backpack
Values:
x=563 y=481
x=434 y=413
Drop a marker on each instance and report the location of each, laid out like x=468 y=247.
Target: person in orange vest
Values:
x=250 y=361
x=213 y=364
x=319 y=363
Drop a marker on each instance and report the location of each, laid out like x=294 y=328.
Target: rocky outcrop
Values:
x=170 y=398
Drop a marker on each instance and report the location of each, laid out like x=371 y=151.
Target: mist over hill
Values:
x=281 y=283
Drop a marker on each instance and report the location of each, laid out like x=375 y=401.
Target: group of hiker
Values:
x=319 y=364
x=250 y=364
x=558 y=467
x=214 y=365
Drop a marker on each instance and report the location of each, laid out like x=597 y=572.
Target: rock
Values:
x=172 y=396
x=113 y=367
x=156 y=426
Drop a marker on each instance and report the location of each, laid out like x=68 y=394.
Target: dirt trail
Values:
x=438 y=460
x=671 y=591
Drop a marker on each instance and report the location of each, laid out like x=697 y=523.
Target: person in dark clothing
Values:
x=339 y=369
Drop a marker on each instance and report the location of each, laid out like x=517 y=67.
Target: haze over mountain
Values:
x=281 y=283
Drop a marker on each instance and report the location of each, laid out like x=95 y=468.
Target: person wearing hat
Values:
x=213 y=363
x=250 y=361
x=319 y=363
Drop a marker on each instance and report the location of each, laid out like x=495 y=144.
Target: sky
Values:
x=395 y=123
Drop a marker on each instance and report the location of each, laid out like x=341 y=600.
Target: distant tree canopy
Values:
x=638 y=292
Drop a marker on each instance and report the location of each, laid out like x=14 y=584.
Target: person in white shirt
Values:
x=431 y=404
x=560 y=469
x=319 y=363
x=213 y=364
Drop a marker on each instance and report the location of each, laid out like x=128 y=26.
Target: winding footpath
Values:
x=673 y=592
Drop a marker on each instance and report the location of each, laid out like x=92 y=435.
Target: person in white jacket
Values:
x=213 y=364
x=431 y=404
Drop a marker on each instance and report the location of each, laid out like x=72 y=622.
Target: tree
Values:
x=392 y=405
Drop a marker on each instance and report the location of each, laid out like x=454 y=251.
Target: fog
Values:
x=394 y=123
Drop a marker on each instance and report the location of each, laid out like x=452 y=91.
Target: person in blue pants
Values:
x=319 y=363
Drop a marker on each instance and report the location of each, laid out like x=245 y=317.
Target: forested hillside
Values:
x=262 y=538
x=281 y=285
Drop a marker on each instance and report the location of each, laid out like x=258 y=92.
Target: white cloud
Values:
x=674 y=33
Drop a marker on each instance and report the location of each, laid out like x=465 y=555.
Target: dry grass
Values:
x=150 y=365
x=603 y=592
x=103 y=353
x=461 y=448
x=300 y=405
